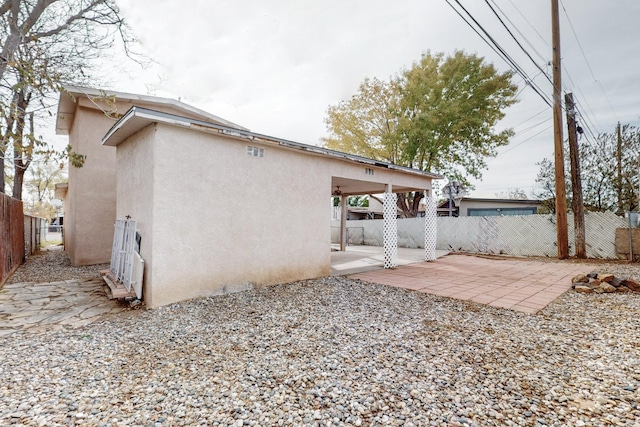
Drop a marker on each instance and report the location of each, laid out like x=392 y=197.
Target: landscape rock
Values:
x=605 y=277
x=617 y=282
x=580 y=278
x=634 y=285
x=603 y=283
x=607 y=288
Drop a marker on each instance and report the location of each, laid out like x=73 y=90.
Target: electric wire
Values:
x=525 y=130
x=518 y=42
x=586 y=118
x=586 y=60
x=530 y=24
x=511 y=147
x=515 y=27
x=532 y=117
x=502 y=53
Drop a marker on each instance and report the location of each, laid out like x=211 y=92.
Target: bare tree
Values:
x=46 y=44
x=514 y=193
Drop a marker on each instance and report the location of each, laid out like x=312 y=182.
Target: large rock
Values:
x=634 y=285
x=617 y=282
x=607 y=288
x=580 y=278
x=583 y=289
x=605 y=277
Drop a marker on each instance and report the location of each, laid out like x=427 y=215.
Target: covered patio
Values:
x=389 y=255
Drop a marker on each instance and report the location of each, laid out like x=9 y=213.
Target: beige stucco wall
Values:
x=90 y=209
x=90 y=204
x=221 y=220
x=135 y=192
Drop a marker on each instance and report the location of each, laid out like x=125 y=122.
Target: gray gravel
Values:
x=334 y=351
x=53 y=265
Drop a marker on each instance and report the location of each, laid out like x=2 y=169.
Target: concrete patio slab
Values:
x=357 y=259
x=521 y=285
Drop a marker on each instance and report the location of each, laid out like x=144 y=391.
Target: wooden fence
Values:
x=35 y=229
x=11 y=236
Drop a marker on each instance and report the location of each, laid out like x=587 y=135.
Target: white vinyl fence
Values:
x=527 y=235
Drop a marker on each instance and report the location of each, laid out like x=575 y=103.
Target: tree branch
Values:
x=67 y=23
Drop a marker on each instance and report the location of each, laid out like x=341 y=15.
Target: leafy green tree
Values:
x=438 y=116
x=358 y=201
x=366 y=124
x=450 y=107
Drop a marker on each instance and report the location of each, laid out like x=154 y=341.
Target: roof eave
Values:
x=69 y=94
x=137 y=118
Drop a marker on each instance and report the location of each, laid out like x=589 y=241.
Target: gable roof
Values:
x=70 y=94
x=138 y=118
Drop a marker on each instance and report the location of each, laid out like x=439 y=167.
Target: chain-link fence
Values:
x=628 y=239
x=527 y=235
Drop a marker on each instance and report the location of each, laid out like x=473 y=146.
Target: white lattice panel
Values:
x=430 y=229
x=390 y=230
x=526 y=235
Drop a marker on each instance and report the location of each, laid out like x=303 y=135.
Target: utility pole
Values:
x=620 y=210
x=577 y=204
x=561 y=192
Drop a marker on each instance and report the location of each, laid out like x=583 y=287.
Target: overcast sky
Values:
x=275 y=66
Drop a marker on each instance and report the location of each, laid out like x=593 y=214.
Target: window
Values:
x=501 y=211
x=368 y=171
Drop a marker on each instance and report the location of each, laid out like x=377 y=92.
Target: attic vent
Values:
x=255 y=151
x=368 y=171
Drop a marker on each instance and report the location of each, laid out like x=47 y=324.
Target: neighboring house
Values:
x=373 y=211
x=85 y=115
x=187 y=183
x=469 y=206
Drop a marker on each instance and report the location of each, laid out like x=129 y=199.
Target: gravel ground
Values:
x=335 y=351
x=53 y=265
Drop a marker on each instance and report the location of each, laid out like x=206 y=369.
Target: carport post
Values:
x=390 y=228
x=343 y=222
x=430 y=228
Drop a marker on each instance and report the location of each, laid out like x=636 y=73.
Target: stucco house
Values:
x=86 y=114
x=187 y=182
x=470 y=206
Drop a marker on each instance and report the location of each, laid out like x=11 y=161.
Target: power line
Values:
x=528 y=139
x=527 y=20
x=517 y=41
x=532 y=117
x=502 y=53
x=520 y=132
x=515 y=27
x=587 y=61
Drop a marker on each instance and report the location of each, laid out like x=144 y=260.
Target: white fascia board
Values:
x=133 y=121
